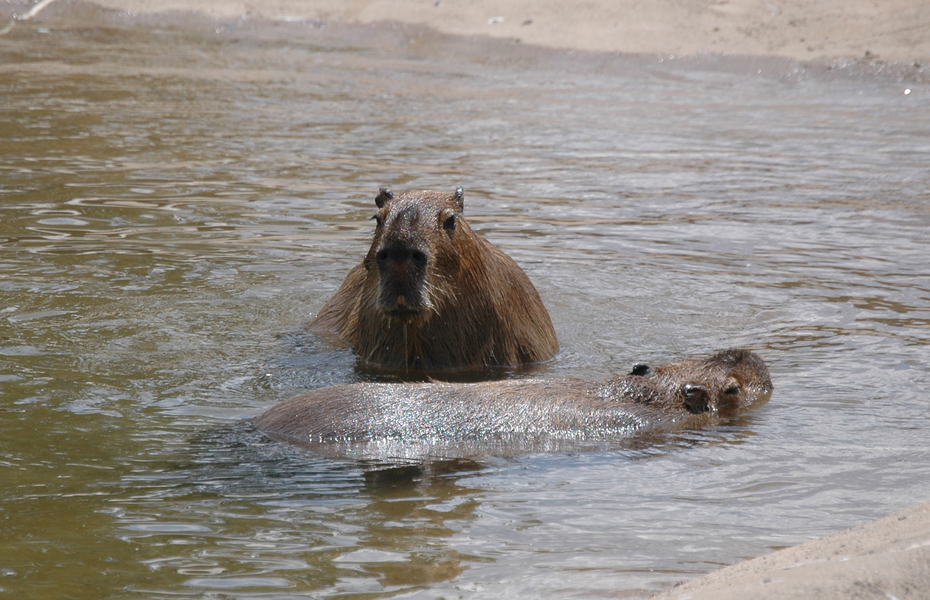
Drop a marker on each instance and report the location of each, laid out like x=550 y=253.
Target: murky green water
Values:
x=178 y=196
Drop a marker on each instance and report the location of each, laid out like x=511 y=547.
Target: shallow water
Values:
x=178 y=196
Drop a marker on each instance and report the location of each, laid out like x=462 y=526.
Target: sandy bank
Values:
x=892 y=30
x=888 y=558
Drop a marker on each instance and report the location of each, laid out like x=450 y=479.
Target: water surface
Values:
x=179 y=196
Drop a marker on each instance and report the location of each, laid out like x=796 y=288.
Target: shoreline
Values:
x=899 y=31
x=886 y=558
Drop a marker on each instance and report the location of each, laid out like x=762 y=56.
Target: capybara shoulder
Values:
x=527 y=413
x=432 y=294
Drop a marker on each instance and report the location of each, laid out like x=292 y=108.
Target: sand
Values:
x=888 y=559
x=890 y=30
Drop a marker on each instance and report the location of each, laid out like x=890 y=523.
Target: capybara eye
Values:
x=733 y=386
x=449 y=223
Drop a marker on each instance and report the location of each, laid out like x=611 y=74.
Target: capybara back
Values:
x=528 y=410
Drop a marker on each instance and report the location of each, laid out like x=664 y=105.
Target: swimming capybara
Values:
x=675 y=395
x=432 y=294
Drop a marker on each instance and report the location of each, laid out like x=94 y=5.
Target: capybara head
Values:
x=420 y=240
x=432 y=294
x=724 y=383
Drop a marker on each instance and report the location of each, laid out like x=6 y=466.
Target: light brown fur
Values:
x=432 y=294
x=685 y=393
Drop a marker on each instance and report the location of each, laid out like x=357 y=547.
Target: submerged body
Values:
x=432 y=294
x=527 y=413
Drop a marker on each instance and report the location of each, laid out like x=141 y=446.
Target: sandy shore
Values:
x=886 y=559
x=891 y=30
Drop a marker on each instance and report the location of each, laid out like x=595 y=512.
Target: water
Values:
x=178 y=196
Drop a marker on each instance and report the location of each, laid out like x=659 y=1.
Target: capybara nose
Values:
x=400 y=254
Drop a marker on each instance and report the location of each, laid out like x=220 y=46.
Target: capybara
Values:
x=432 y=294
x=675 y=395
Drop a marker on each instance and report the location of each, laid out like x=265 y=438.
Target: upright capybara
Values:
x=432 y=294
x=678 y=394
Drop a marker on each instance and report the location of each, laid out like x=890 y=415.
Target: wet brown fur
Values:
x=464 y=304
x=677 y=394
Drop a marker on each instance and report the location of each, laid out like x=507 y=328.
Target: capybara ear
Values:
x=697 y=398
x=640 y=369
x=459 y=196
x=384 y=196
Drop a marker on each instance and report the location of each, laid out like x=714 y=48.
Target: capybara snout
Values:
x=401 y=282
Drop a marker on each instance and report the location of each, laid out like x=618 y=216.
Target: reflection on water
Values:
x=286 y=520
x=178 y=196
